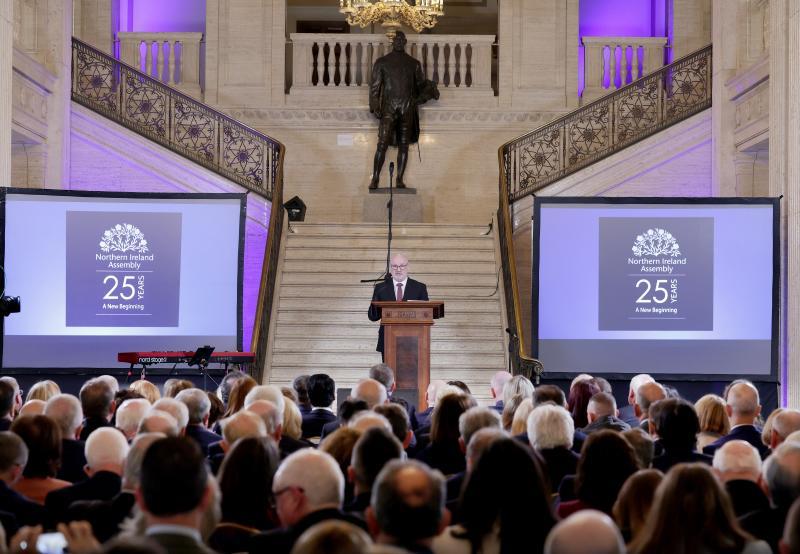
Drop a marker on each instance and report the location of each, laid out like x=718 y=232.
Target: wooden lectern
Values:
x=407 y=342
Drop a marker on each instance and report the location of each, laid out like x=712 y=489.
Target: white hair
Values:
x=743 y=398
x=197 y=403
x=106 y=446
x=130 y=414
x=786 y=422
x=133 y=462
x=518 y=384
x=267 y=392
x=499 y=380
x=445 y=390
x=549 y=427
x=370 y=391
x=585 y=532
x=111 y=380
x=159 y=421
x=737 y=457
x=268 y=412
x=178 y=410
x=317 y=473
x=477 y=418
x=579 y=378
x=638 y=381
x=66 y=411
x=366 y=419
x=243 y=424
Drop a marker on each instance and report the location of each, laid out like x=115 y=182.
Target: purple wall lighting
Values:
x=158 y=16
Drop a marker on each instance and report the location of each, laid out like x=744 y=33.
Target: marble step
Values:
x=380 y=229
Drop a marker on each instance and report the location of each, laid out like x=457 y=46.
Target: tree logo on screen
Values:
x=123 y=237
x=656 y=242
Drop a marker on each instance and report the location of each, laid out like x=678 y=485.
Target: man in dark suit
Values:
x=321 y=393
x=743 y=407
x=498 y=383
x=602 y=413
x=400 y=287
x=97 y=401
x=738 y=465
x=7 y=398
x=308 y=488
x=371 y=452
x=23 y=511
x=106 y=450
x=66 y=411
x=174 y=494
x=199 y=407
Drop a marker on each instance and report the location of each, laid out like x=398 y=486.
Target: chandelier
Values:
x=392 y=14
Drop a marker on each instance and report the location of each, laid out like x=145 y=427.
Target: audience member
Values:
x=308 y=488
x=628 y=413
x=399 y=420
x=66 y=411
x=339 y=445
x=7 y=404
x=422 y=422
x=766 y=430
x=374 y=449
x=270 y=415
x=176 y=409
x=578 y=401
x=226 y=385
x=239 y=390
x=333 y=537
x=216 y=411
x=738 y=465
x=16 y=510
x=505 y=492
x=147 y=389
x=292 y=421
x=510 y=408
x=300 y=386
x=677 y=426
x=159 y=421
x=106 y=450
x=549 y=393
x=647 y=393
x=43 y=390
x=550 y=432
x=321 y=394
x=444 y=451
x=519 y=423
x=784 y=424
x=16 y=405
x=198 y=407
x=713 y=417
x=634 y=502
x=370 y=391
x=174 y=493
x=586 y=532
x=407 y=507
x=289 y=393
x=496 y=388
x=173 y=386
x=642 y=444
x=601 y=412
x=461 y=385
x=97 y=401
x=743 y=408
x=518 y=384
x=32 y=407
x=790 y=541
x=692 y=513
x=42 y=437
x=367 y=420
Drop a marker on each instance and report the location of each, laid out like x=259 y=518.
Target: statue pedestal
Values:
x=407 y=206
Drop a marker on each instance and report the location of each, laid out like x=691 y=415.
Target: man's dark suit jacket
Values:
x=747 y=433
x=606 y=422
x=287 y=445
x=414 y=290
x=5 y=424
x=281 y=541
x=664 y=461
x=561 y=461
x=746 y=496
x=105 y=516
x=24 y=510
x=73 y=461
x=175 y=543
x=92 y=423
x=330 y=427
x=202 y=436
x=103 y=485
x=314 y=421
x=766 y=524
x=422 y=421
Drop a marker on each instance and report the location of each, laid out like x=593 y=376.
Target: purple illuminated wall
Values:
x=159 y=16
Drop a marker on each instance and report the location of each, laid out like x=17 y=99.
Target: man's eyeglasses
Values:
x=400 y=266
x=274 y=500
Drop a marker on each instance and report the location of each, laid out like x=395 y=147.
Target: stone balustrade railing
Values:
x=460 y=64
x=172 y=58
x=612 y=62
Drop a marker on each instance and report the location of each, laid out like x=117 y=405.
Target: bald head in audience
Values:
x=271 y=393
x=307 y=481
x=585 y=532
x=270 y=415
x=498 y=383
x=106 y=450
x=159 y=421
x=130 y=415
x=176 y=409
x=240 y=425
x=737 y=460
x=370 y=391
x=784 y=424
x=646 y=395
x=742 y=404
x=66 y=411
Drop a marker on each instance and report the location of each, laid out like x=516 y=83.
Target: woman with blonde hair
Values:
x=519 y=424
x=43 y=390
x=714 y=422
x=146 y=389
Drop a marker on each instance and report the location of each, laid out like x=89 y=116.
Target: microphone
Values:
x=391 y=169
x=510 y=333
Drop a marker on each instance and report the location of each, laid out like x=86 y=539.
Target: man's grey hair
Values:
x=271 y=393
x=268 y=412
x=130 y=414
x=781 y=472
x=550 y=426
x=737 y=457
x=104 y=446
x=133 y=463
x=178 y=410
x=197 y=403
x=639 y=380
x=243 y=424
x=227 y=383
x=66 y=411
x=641 y=398
x=383 y=374
x=112 y=382
x=743 y=399
x=370 y=391
x=602 y=404
x=159 y=421
x=481 y=440
x=475 y=419
x=317 y=473
x=518 y=384
x=498 y=382
x=786 y=422
x=585 y=532
x=13 y=451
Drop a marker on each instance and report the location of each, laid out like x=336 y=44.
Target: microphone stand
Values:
x=389 y=206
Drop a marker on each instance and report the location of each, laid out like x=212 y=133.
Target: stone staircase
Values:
x=321 y=310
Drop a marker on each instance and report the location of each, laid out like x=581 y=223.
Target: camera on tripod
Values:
x=9 y=305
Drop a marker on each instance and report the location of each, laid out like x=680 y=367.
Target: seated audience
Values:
x=174 y=493
x=173 y=386
x=16 y=510
x=634 y=501
x=42 y=437
x=743 y=409
x=578 y=401
x=66 y=411
x=738 y=465
x=519 y=384
x=519 y=423
x=460 y=385
x=373 y=449
x=198 y=407
x=783 y=425
x=245 y=481
x=367 y=420
x=550 y=432
x=339 y=445
x=129 y=416
x=308 y=488
x=347 y=410
x=147 y=389
x=642 y=444
x=97 y=401
x=504 y=494
x=176 y=409
x=781 y=474
x=407 y=507
x=469 y=423
x=692 y=513
x=159 y=421
x=601 y=412
x=677 y=426
x=496 y=387
x=586 y=532
x=444 y=451
x=43 y=390
x=106 y=450
x=370 y=391
x=8 y=396
x=606 y=463
x=120 y=397
x=321 y=393
x=647 y=393
x=300 y=386
x=713 y=417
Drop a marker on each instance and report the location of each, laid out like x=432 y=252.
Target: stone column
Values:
x=723 y=174
x=59 y=57
x=6 y=48
x=784 y=176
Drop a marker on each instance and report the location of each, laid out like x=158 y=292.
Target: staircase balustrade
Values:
x=581 y=138
x=613 y=62
x=172 y=58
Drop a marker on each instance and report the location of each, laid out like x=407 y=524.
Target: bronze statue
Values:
x=398 y=86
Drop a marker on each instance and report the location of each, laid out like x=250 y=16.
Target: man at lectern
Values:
x=399 y=288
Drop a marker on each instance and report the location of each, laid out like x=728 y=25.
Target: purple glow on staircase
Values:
x=158 y=16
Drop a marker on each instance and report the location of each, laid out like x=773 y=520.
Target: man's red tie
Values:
x=399 y=292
